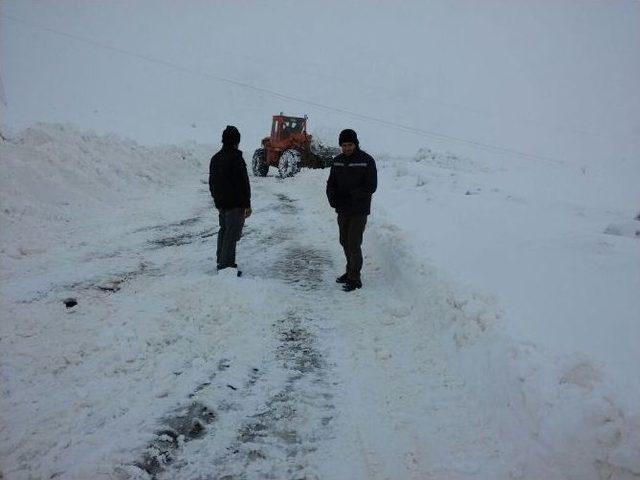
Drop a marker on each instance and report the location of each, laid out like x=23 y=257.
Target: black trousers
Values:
x=231 y=223
x=351 y=231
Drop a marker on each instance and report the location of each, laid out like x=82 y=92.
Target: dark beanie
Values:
x=230 y=136
x=348 y=135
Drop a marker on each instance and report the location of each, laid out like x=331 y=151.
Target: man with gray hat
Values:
x=352 y=181
x=231 y=192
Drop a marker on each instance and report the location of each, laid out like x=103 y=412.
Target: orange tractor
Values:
x=289 y=148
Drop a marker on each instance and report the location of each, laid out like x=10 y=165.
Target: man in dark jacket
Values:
x=229 y=187
x=352 y=181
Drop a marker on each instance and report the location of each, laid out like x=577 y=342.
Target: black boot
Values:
x=342 y=278
x=351 y=285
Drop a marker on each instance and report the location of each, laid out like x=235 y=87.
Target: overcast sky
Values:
x=551 y=78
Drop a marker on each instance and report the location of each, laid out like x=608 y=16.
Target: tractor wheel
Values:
x=289 y=163
x=259 y=163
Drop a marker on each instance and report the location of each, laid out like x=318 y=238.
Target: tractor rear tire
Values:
x=259 y=163
x=289 y=163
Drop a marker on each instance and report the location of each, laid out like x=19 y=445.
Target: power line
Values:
x=282 y=96
x=3 y=98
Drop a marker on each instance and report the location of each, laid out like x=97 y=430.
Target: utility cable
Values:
x=282 y=96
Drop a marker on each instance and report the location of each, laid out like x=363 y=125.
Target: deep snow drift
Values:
x=57 y=177
x=459 y=359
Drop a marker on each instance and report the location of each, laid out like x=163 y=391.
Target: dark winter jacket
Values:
x=228 y=179
x=352 y=181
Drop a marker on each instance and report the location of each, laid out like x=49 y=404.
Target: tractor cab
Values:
x=284 y=127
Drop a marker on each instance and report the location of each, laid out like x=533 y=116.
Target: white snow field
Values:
x=497 y=335
x=446 y=365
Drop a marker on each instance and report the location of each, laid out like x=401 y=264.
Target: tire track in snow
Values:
x=257 y=429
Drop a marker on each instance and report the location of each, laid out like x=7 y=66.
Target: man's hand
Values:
x=247 y=212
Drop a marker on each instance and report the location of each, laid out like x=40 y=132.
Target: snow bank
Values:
x=553 y=414
x=554 y=244
x=53 y=174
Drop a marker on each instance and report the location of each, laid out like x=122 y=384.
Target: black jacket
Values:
x=352 y=181
x=228 y=180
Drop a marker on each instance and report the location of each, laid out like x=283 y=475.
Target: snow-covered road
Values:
x=167 y=370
